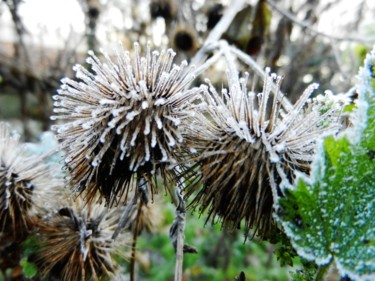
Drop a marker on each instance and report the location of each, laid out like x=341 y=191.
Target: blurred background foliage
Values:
x=303 y=40
x=221 y=255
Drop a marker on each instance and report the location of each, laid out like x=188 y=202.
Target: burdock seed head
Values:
x=76 y=243
x=121 y=121
x=24 y=179
x=249 y=147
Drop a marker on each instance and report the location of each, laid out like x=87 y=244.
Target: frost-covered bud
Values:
x=249 y=147
x=76 y=243
x=25 y=181
x=121 y=121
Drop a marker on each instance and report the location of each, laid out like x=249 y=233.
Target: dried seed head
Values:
x=122 y=122
x=76 y=243
x=184 y=38
x=249 y=148
x=24 y=179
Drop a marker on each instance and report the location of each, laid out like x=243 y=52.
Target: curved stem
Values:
x=177 y=234
x=322 y=270
x=134 y=243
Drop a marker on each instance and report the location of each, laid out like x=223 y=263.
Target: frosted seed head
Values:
x=117 y=95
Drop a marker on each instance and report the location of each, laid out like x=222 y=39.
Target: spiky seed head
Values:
x=121 y=122
x=24 y=179
x=249 y=147
x=76 y=242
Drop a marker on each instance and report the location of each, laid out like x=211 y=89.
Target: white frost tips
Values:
x=158 y=122
x=130 y=116
x=68 y=159
x=160 y=101
x=107 y=101
x=144 y=104
x=147 y=126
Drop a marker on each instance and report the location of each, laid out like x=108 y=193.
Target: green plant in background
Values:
x=329 y=217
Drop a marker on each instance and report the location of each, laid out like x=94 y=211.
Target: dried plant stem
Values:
x=308 y=26
x=134 y=243
x=258 y=70
x=322 y=270
x=179 y=252
x=177 y=233
x=219 y=29
x=122 y=222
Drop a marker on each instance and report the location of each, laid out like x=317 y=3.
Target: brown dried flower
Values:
x=122 y=122
x=248 y=149
x=76 y=242
x=24 y=179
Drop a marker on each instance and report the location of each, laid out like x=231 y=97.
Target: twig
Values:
x=134 y=243
x=176 y=235
x=322 y=270
x=258 y=70
x=218 y=30
x=308 y=26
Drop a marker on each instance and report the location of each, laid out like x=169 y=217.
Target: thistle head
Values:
x=249 y=147
x=24 y=180
x=121 y=121
x=76 y=242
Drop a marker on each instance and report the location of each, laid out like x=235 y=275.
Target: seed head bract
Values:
x=121 y=120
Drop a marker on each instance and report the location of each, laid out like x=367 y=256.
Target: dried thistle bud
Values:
x=24 y=178
x=249 y=148
x=76 y=243
x=122 y=121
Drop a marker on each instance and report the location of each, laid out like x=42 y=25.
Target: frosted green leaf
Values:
x=330 y=217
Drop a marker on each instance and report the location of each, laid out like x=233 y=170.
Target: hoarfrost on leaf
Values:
x=331 y=216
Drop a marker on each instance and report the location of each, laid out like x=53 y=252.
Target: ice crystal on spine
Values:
x=249 y=147
x=24 y=179
x=76 y=242
x=121 y=122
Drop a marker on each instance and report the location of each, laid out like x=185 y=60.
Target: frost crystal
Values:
x=127 y=125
